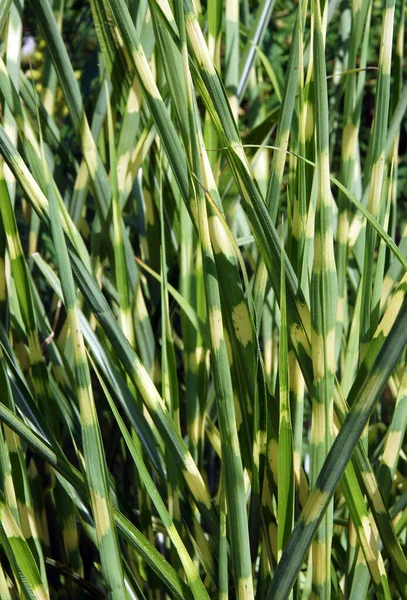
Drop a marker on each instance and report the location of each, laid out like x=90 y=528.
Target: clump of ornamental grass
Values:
x=203 y=300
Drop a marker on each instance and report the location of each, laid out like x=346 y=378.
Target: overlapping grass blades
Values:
x=204 y=360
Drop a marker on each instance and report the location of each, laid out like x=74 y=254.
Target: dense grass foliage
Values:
x=203 y=315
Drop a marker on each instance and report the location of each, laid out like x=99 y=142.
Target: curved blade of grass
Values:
x=232 y=53
x=169 y=377
x=96 y=469
x=361 y=16
x=284 y=124
x=285 y=507
x=323 y=314
x=126 y=315
x=234 y=485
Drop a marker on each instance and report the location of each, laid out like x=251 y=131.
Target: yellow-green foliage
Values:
x=203 y=316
